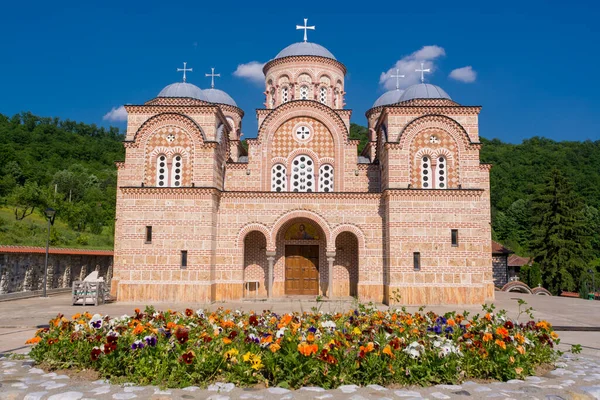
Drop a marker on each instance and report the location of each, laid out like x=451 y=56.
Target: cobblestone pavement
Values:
x=576 y=377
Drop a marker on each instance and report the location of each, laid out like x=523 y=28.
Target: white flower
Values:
x=414 y=349
x=280 y=333
x=329 y=325
x=200 y=313
x=96 y=321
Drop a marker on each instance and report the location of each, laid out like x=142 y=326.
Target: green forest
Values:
x=545 y=194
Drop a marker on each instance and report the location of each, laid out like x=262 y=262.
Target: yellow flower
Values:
x=356 y=331
x=520 y=338
x=388 y=350
x=246 y=357
x=554 y=335
x=501 y=344
x=543 y=325
x=256 y=363
x=229 y=354
x=518 y=370
x=511 y=359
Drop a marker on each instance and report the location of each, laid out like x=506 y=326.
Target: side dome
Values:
x=424 y=91
x=219 y=97
x=390 y=97
x=182 y=89
x=305 y=49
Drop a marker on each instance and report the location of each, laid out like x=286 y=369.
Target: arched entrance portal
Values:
x=345 y=266
x=301 y=267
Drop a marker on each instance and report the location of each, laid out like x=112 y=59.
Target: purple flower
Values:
x=138 y=344
x=449 y=330
x=437 y=329
x=151 y=341
x=312 y=329
x=97 y=324
x=441 y=321
x=165 y=332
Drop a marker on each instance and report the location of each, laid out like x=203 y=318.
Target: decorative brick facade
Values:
x=232 y=226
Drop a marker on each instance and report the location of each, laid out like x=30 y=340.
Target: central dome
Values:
x=219 y=97
x=305 y=49
x=424 y=91
x=182 y=89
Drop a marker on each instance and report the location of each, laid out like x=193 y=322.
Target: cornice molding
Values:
x=289 y=59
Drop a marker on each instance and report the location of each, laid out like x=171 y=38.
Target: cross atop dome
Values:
x=397 y=76
x=184 y=70
x=305 y=27
x=212 y=77
x=422 y=70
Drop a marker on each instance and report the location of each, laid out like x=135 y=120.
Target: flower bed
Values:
x=364 y=346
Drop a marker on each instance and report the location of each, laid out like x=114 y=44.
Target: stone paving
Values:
x=576 y=377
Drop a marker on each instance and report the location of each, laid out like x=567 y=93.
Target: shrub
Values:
x=363 y=346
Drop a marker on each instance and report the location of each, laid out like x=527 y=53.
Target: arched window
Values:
x=272 y=97
x=303 y=92
x=426 y=178
x=278 y=178
x=176 y=171
x=161 y=171
x=303 y=174
x=326 y=178
x=323 y=95
x=441 y=173
x=285 y=94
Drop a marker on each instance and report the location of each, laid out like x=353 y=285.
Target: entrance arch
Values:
x=255 y=264
x=345 y=266
x=301 y=261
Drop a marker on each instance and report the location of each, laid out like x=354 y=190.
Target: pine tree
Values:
x=561 y=243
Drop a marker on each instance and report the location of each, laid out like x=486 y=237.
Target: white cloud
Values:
x=408 y=64
x=251 y=71
x=116 y=115
x=464 y=74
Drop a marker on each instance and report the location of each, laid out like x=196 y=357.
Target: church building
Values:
x=299 y=213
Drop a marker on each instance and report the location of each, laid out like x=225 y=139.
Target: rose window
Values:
x=302 y=132
x=170 y=138
x=433 y=139
x=303 y=174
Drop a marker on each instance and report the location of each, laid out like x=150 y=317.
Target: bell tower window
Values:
x=303 y=174
x=303 y=92
x=285 y=95
x=302 y=133
x=323 y=95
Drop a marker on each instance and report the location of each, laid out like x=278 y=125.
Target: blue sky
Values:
x=535 y=61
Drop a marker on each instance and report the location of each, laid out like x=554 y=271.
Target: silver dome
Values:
x=182 y=89
x=218 y=96
x=390 y=97
x=305 y=49
x=424 y=91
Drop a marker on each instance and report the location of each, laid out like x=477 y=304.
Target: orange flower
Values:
x=518 y=370
x=511 y=359
x=543 y=325
x=487 y=337
x=76 y=316
x=267 y=339
x=521 y=350
x=310 y=337
x=307 y=349
x=501 y=344
x=226 y=340
x=554 y=335
x=520 y=338
x=388 y=350
x=409 y=321
x=33 y=340
x=451 y=322
x=138 y=329
x=502 y=331
x=171 y=325
x=274 y=347
x=285 y=320
x=488 y=316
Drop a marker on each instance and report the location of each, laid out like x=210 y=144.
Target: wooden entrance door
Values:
x=301 y=270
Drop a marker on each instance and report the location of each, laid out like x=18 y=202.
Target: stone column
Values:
x=4 y=279
x=66 y=283
x=271 y=261
x=28 y=280
x=330 y=258
x=50 y=279
x=83 y=272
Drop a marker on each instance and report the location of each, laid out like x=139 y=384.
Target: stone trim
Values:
x=285 y=60
x=167 y=118
x=429 y=121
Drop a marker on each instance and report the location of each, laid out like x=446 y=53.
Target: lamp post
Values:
x=50 y=214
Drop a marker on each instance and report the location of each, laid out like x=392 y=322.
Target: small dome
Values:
x=305 y=49
x=424 y=91
x=218 y=96
x=182 y=89
x=391 y=97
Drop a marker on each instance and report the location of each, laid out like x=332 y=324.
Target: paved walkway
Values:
x=575 y=378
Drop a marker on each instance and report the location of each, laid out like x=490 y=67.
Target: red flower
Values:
x=182 y=334
x=328 y=358
x=233 y=335
x=95 y=354
x=189 y=312
x=109 y=348
x=188 y=357
x=253 y=320
x=509 y=325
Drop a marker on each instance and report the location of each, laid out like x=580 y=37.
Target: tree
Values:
x=561 y=243
x=25 y=199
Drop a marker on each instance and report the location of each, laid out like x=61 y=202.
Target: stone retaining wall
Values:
x=22 y=268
